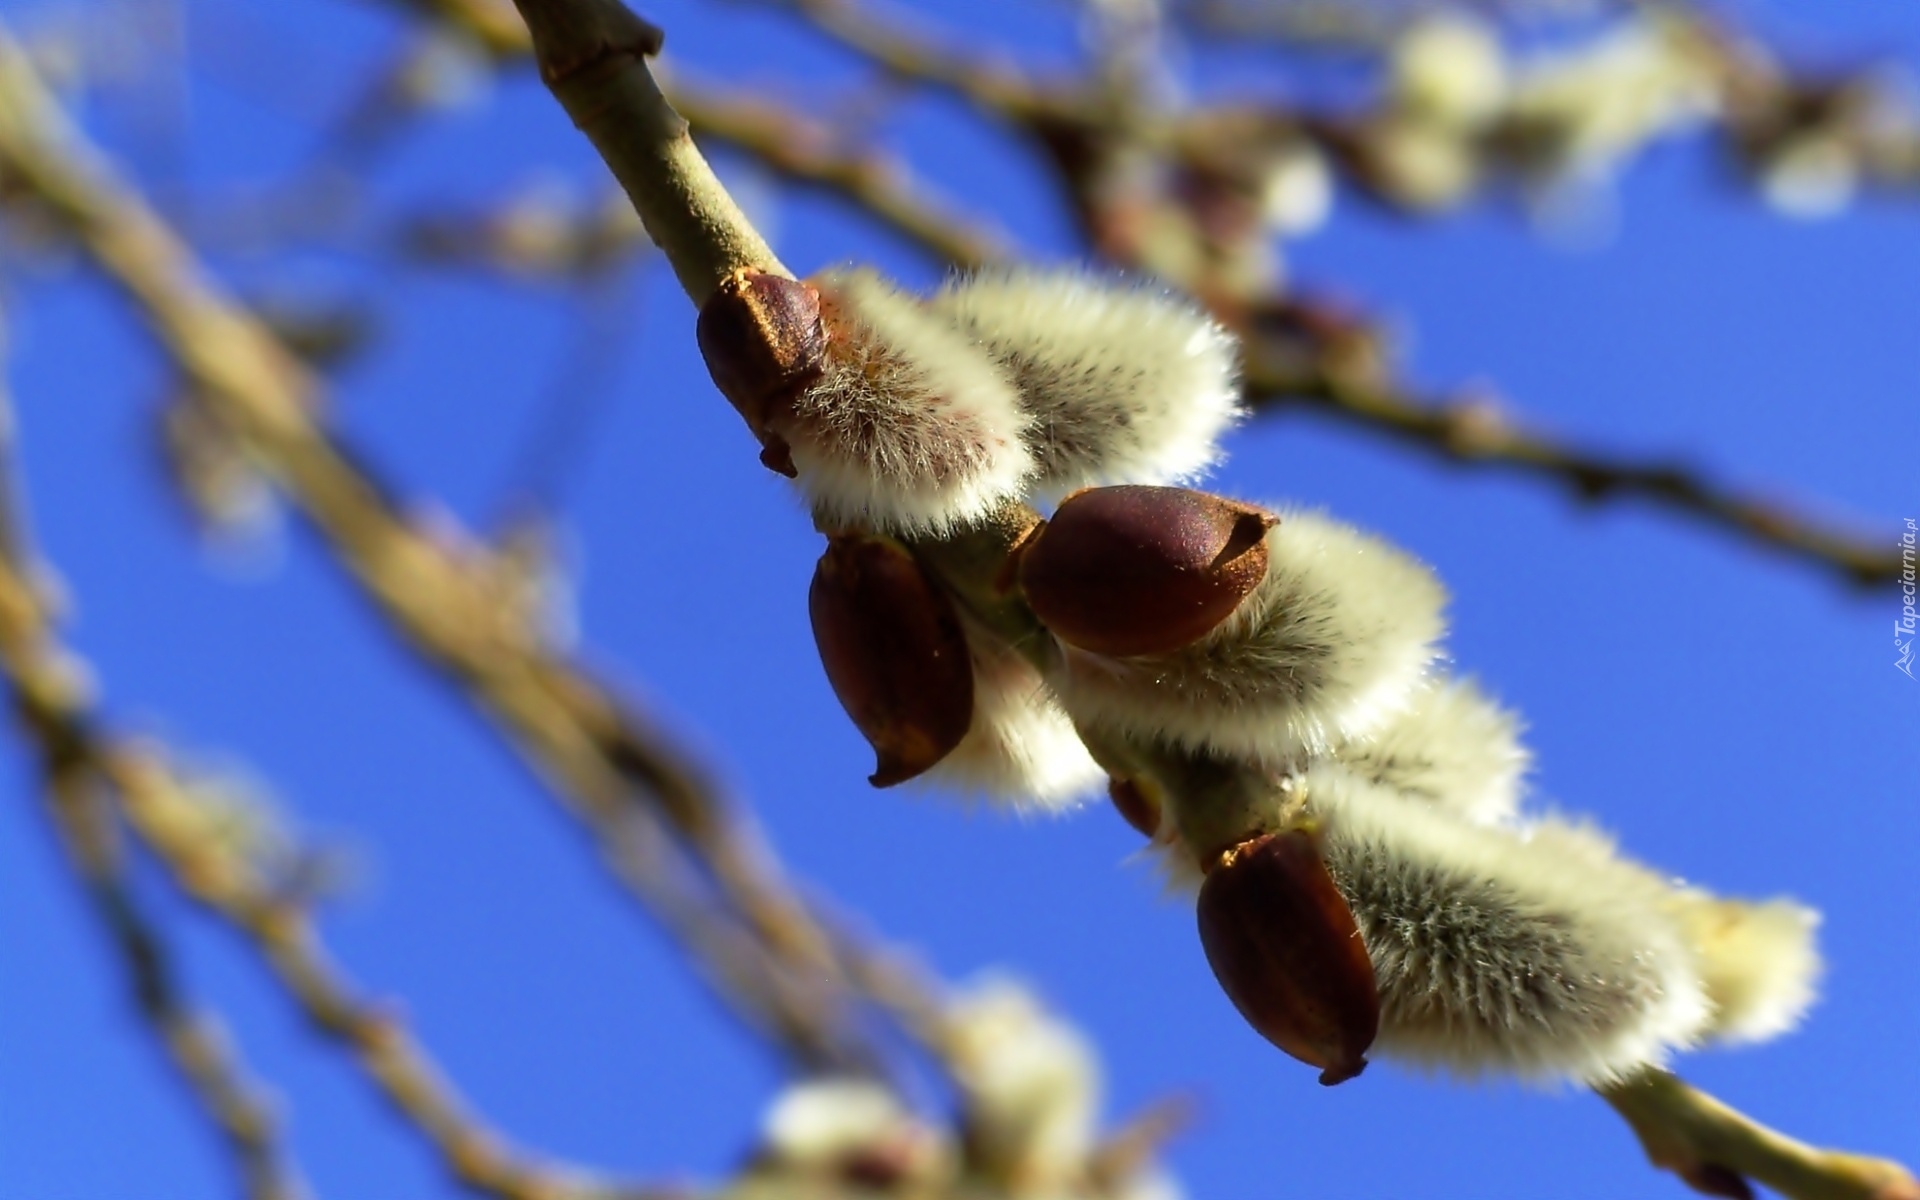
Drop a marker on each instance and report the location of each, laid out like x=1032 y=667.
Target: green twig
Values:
x=1688 y=1132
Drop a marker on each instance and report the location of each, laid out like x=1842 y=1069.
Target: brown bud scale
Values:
x=1136 y=805
x=1283 y=944
x=763 y=340
x=894 y=652
x=1133 y=570
x=1711 y=1179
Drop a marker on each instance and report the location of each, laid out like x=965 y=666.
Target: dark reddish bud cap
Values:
x=1283 y=944
x=763 y=340
x=1143 y=570
x=894 y=652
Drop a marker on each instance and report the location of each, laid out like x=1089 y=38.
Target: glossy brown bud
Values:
x=1143 y=570
x=763 y=340
x=1136 y=805
x=1283 y=944
x=894 y=652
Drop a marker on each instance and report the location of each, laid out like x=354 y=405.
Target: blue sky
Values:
x=1732 y=715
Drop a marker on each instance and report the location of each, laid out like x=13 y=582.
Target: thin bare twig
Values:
x=595 y=79
x=996 y=85
x=441 y=592
x=282 y=933
x=46 y=698
x=1715 y=1149
x=812 y=153
x=1082 y=134
x=1479 y=431
x=83 y=767
x=800 y=149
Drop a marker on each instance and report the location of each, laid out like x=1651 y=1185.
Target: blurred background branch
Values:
x=49 y=695
x=1179 y=191
x=1203 y=192
x=667 y=833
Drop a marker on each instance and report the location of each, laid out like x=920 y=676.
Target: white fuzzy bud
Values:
x=1326 y=649
x=1021 y=750
x=1031 y=1086
x=909 y=428
x=1449 y=69
x=1297 y=191
x=1759 y=961
x=1812 y=176
x=1536 y=952
x=1606 y=99
x=820 y=1122
x=1124 y=383
x=1421 y=165
x=1453 y=748
x=226 y=819
x=845 y=1134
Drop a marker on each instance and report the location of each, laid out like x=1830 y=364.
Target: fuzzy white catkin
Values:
x=818 y=1122
x=1761 y=967
x=1452 y=747
x=1032 y=1086
x=1125 y=383
x=1421 y=164
x=1328 y=648
x=1609 y=96
x=1758 y=960
x=1535 y=952
x=1021 y=750
x=910 y=428
x=1449 y=69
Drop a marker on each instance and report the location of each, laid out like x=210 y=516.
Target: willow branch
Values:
x=83 y=765
x=490 y=23
x=591 y=56
x=47 y=694
x=194 y=1040
x=811 y=153
x=1711 y=1146
x=949 y=557
x=1479 y=432
x=1073 y=126
x=799 y=149
x=440 y=591
x=996 y=86
x=79 y=760
x=392 y=1060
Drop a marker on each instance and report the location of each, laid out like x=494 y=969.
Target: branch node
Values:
x=570 y=36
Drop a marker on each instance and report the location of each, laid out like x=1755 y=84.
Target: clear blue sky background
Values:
x=1734 y=716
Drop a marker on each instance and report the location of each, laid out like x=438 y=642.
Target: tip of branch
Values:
x=569 y=35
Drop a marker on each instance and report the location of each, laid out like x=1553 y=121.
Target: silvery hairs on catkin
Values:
x=1126 y=383
x=1511 y=950
x=1452 y=746
x=1501 y=943
x=1021 y=751
x=909 y=428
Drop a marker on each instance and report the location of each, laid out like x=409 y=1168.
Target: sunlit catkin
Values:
x=908 y=427
x=1759 y=961
x=1124 y=383
x=1536 y=952
x=1326 y=649
x=1021 y=750
x=1452 y=747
